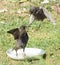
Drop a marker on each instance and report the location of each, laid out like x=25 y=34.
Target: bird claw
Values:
x=24 y=54
x=16 y=54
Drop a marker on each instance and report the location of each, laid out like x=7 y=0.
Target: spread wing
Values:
x=14 y=32
x=25 y=38
x=48 y=15
x=32 y=18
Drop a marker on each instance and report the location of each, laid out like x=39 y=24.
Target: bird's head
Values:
x=23 y=27
x=33 y=10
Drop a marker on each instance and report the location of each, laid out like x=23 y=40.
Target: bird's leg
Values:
x=15 y=50
x=24 y=52
x=39 y=26
x=16 y=53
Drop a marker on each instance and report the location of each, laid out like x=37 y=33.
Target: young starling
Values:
x=40 y=13
x=21 y=37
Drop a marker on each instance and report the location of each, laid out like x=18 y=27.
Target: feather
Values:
x=48 y=15
x=14 y=32
x=40 y=13
x=21 y=37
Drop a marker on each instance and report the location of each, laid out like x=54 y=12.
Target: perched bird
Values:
x=21 y=37
x=40 y=13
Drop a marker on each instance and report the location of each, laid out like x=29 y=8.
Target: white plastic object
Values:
x=29 y=52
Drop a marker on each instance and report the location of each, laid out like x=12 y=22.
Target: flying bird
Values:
x=21 y=37
x=40 y=13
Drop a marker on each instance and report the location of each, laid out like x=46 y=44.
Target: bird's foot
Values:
x=16 y=54
x=24 y=55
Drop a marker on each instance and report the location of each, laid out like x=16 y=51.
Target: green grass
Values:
x=47 y=38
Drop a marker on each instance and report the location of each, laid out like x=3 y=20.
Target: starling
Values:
x=21 y=37
x=40 y=13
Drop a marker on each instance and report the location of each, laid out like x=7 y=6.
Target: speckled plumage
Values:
x=21 y=37
x=40 y=13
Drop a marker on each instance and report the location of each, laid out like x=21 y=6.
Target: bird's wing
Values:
x=48 y=15
x=14 y=32
x=32 y=18
x=25 y=38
